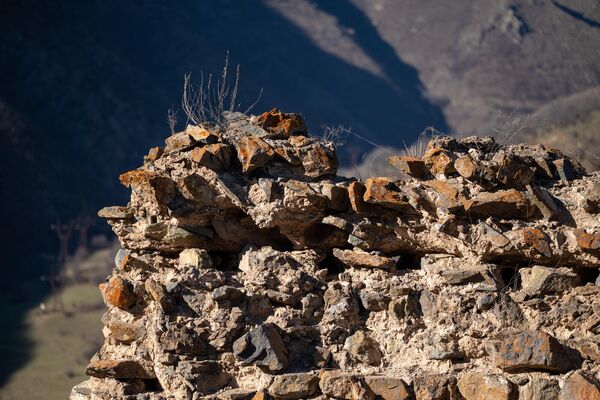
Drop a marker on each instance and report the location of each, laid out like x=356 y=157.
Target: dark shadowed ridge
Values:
x=85 y=86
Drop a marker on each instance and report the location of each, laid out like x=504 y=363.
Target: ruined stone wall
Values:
x=249 y=270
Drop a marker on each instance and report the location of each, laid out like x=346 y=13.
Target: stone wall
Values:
x=249 y=270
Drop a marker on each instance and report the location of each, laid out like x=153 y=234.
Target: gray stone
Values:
x=540 y=280
x=263 y=347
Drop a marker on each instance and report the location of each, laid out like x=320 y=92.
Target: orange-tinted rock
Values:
x=580 y=386
x=440 y=161
x=214 y=156
x=253 y=152
x=344 y=385
x=136 y=177
x=478 y=386
x=282 y=124
x=386 y=192
x=301 y=385
x=450 y=195
x=337 y=197
x=410 y=165
x=356 y=192
x=434 y=387
x=119 y=369
x=509 y=204
x=534 y=351
x=154 y=154
x=388 y=387
x=587 y=241
x=117 y=292
x=538 y=240
x=202 y=135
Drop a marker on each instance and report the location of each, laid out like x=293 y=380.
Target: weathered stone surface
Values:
x=214 y=156
x=478 y=386
x=236 y=394
x=539 y=388
x=363 y=348
x=154 y=154
x=253 y=152
x=587 y=241
x=388 y=387
x=318 y=160
x=344 y=385
x=434 y=387
x=509 y=204
x=387 y=193
x=117 y=292
x=158 y=293
x=121 y=369
x=514 y=172
x=295 y=386
x=195 y=258
x=545 y=203
x=592 y=198
x=263 y=347
x=282 y=124
x=115 y=212
x=580 y=386
x=540 y=280
x=467 y=167
x=538 y=241
x=439 y=161
x=362 y=259
x=410 y=165
x=373 y=301
x=534 y=351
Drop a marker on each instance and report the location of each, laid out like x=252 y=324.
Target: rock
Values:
x=182 y=341
x=159 y=294
x=513 y=172
x=154 y=154
x=202 y=135
x=116 y=212
x=120 y=369
x=344 y=385
x=467 y=167
x=592 y=198
x=356 y=192
x=281 y=124
x=362 y=259
x=179 y=142
x=565 y=169
x=534 y=351
x=449 y=195
x=412 y=166
x=318 y=160
x=195 y=258
x=253 y=153
x=538 y=241
x=434 y=387
x=478 y=386
x=540 y=280
x=362 y=348
x=545 y=203
x=485 y=302
x=589 y=242
x=117 y=292
x=373 y=301
x=539 y=388
x=472 y=274
x=124 y=332
x=439 y=161
x=337 y=197
x=295 y=386
x=508 y=204
x=213 y=156
x=387 y=193
x=236 y=394
x=263 y=347
x=388 y=387
x=227 y=293
x=580 y=386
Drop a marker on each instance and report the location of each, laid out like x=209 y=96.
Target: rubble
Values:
x=249 y=270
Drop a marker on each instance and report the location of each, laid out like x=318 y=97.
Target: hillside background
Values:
x=85 y=87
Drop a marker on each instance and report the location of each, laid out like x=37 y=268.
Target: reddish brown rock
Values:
x=412 y=166
x=435 y=387
x=580 y=386
x=387 y=193
x=534 y=351
x=282 y=124
x=253 y=152
x=362 y=259
x=467 y=167
x=356 y=192
x=440 y=161
x=214 y=156
x=117 y=292
x=478 y=386
x=450 y=195
x=317 y=160
x=202 y=135
x=508 y=204
x=388 y=387
x=587 y=241
x=295 y=386
x=120 y=369
x=538 y=241
x=337 y=197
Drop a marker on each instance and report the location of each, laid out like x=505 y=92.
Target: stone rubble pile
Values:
x=249 y=270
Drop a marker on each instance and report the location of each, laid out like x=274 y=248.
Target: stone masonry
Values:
x=249 y=270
